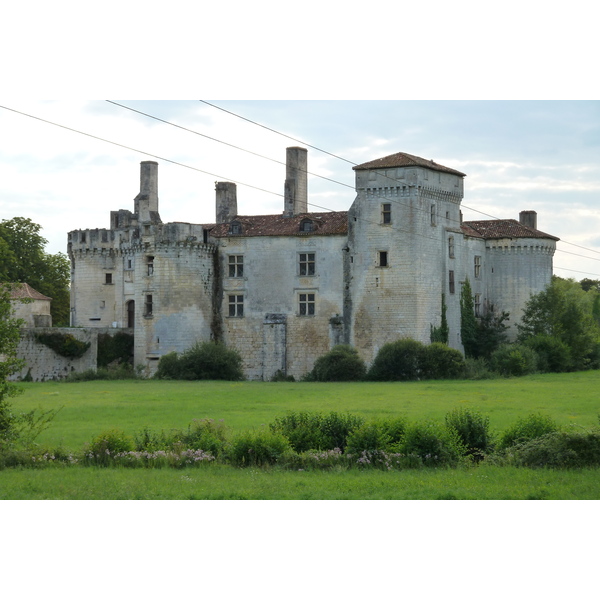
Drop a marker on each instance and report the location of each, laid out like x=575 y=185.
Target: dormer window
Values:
x=235 y=228
x=307 y=226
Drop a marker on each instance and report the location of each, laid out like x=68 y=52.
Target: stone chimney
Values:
x=296 y=182
x=146 y=202
x=226 y=201
x=528 y=218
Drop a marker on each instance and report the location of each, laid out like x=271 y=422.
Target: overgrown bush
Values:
x=119 y=372
x=432 y=444
x=115 y=349
x=314 y=431
x=439 y=361
x=472 y=429
x=554 y=356
x=478 y=368
x=105 y=445
x=377 y=435
x=203 y=434
x=514 y=360
x=258 y=448
x=342 y=363
x=280 y=376
x=204 y=360
x=528 y=428
x=65 y=344
x=560 y=449
x=397 y=361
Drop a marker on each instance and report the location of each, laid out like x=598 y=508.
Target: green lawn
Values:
x=92 y=407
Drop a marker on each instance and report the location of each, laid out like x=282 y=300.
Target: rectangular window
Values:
x=383 y=259
x=150 y=264
x=386 y=213
x=236 y=305
x=451 y=282
x=306 y=304
x=236 y=265
x=148 y=306
x=477 y=304
x=477 y=269
x=108 y=278
x=432 y=214
x=307 y=263
x=451 y=246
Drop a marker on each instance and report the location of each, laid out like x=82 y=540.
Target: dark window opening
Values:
x=383 y=259
x=235 y=228
x=108 y=278
x=236 y=266
x=386 y=213
x=451 y=281
x=307 y=225
x=130 y=313
x=150 y=264
x=148 y=306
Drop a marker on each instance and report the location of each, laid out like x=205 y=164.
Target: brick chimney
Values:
x=226 y=201
x=296 y=182
x=528 y=218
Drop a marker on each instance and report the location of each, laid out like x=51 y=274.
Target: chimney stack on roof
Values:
x=296 y=182
x=528 y=218
x=226 y=201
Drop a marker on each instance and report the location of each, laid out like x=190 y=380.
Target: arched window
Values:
x=130 y=313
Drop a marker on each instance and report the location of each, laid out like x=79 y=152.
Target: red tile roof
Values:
x=24 y=290
x=401 y=159
x=330 y=223
x=502 y=228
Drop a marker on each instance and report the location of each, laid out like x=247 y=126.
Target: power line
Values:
x=391 y=179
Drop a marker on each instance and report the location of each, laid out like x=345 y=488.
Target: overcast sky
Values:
x=517 y=155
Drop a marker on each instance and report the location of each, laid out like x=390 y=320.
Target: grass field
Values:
x=92 y=407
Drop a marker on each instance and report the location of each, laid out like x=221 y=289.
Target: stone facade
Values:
x=284 y=289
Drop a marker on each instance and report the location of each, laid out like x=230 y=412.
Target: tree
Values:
x=566 y=312
x=23 y=260
x=491 y=332
x=440 y=334
x=9 y=363
x=468 y=320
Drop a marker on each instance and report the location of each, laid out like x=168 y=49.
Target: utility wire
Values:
x=355 y=164
x=223 y=178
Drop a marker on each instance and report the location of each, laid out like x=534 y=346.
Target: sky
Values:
x=517 y=155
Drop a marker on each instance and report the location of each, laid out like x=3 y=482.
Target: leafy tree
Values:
x=22 y=259
x=9 y=363
x=468 y=321
x=590 y=284
x=491 y=332
x=564 y=311
x=440 y=334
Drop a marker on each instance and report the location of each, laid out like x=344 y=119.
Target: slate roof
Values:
x=24 y=290
x=330 y=223
x=502 y=228
x=402 y=159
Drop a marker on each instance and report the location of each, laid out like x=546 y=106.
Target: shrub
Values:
x=116 y=348
x=478 y=368
x=204 y=360
x=281 y=376
x=65 y=344
x=514 y=360
x=106 y=445
x=528 y=428
x=342 y=363
x=472 y=430
x=379 y=435
x=122 y=371
x=554 y=355
x=439 y=361
x=258 y=448
x=559 y=449
x=203 y=434
x=432 y=444
x=147 y=440
x=314 y=431
x=397 y=361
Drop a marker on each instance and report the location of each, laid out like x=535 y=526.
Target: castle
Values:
x=284 y=289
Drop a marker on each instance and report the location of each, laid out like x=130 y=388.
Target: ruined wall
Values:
x=44 y=364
